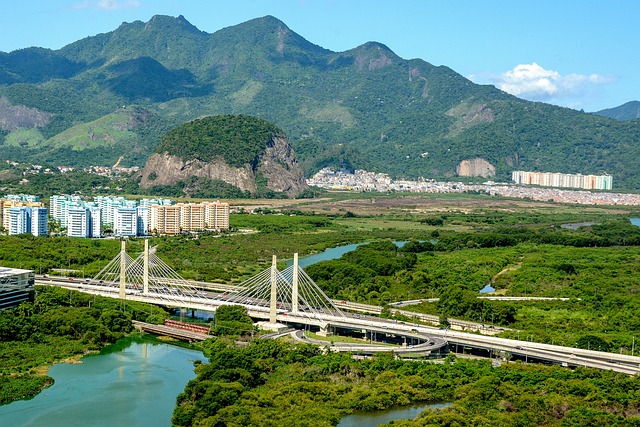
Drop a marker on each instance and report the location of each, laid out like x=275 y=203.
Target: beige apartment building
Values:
x=187 y=217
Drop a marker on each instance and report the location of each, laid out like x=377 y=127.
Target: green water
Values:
x=370 y=419
x=331 y=253
x=133 y=383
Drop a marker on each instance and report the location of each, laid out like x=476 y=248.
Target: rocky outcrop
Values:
x=13 y=117
x=278 y=164
x=476 y=167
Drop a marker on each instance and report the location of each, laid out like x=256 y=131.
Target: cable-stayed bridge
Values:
x=291 y=297
x=269 y=295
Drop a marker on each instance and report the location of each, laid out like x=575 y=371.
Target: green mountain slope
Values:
x=627 y=111
x=362 y=108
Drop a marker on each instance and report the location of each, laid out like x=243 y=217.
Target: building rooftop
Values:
x=6 y=271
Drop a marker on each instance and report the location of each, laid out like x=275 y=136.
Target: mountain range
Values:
x=626 y=111
x=115 y=94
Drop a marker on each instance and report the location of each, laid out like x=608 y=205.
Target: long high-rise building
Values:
x=78 y=222
x=95 y=217
x=19 y=221
x=187 y=217
x=27 y=219
x=552 y=179
x=217 y=215
x=12 y=201
x=165 y=219
x=125 y=221
x=39 y=221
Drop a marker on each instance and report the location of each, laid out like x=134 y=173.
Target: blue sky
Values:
x=581 y=54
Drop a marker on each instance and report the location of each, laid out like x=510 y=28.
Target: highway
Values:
x=566 y=356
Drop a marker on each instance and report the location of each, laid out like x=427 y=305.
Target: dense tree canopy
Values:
x=238 y=139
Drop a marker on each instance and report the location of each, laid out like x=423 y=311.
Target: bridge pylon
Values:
x=123 y=270
x=273 y=300
x=294 y=285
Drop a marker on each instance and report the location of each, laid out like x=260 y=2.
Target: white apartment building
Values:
x=125 y=221
x=19 y=222
x=27 y=219
x=144 y=217
x=59 y=206
x=95 y=216
x=39 y=221
x=78 y=222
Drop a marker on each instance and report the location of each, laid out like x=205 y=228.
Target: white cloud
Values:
x=114 y=4
x=535 y=83
x=107 y=4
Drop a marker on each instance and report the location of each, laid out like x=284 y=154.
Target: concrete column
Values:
x=294 y=290
x=145 y=274
x=325 y=330
x=123 y=269
x=274 y=293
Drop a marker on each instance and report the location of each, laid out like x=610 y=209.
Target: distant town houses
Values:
x=362 y=180
x=107 y=171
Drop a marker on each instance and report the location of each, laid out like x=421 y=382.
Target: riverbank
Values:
x=60 y=327
x=132 y=382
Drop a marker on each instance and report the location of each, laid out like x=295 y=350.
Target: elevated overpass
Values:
x=290 y=297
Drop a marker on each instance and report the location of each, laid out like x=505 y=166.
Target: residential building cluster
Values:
x=371 y=181
x=24 y=213
x=563 y=180
x=85 y=218
x=81 y=217
x=174 y=219
x=126 y=217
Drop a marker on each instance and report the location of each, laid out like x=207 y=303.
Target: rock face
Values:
x=476 y=167
x=13 y=117
x=278 y=164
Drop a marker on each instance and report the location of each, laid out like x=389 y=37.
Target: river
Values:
x=375 y=418
x=132 y=383
x=331 y=253
x=135 y=382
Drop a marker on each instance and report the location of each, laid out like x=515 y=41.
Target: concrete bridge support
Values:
x=294 y=289
x=145 y=274
x=274 y=293
x=325 y=330
x=123 y=269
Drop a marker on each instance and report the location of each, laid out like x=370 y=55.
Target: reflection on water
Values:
x=577 y=225
x=366 y=419
x=132 y=386
x=332 y=253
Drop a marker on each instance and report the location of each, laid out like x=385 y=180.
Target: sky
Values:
x=581 y=54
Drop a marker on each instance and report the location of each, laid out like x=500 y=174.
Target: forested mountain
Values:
x=627 y=111
x=223 y=156
x=362 y=108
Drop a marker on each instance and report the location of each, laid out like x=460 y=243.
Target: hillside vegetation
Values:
x=362 y=108
x=236 y=139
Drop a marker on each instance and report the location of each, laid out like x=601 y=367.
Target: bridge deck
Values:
x=168 y=331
